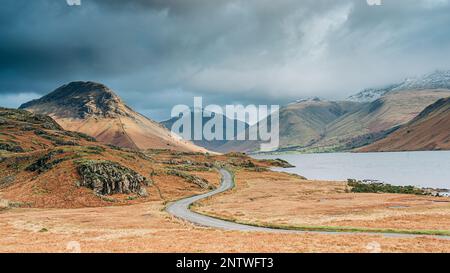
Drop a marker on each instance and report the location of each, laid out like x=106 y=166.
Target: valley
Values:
x=81 y=171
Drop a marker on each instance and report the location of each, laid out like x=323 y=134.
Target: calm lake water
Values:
x=423 y=169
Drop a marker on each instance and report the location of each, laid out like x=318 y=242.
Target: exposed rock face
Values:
x=20 y=118
x=107 y=178
x=46 y=162
x=11 y=147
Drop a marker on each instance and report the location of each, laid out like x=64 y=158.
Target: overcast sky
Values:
x=159 y=53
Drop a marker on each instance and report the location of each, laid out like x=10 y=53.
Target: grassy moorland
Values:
x=287 y=202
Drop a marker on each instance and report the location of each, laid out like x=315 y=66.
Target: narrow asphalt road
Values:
x=180 y=209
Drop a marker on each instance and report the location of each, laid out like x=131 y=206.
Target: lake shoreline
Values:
x=422 y=169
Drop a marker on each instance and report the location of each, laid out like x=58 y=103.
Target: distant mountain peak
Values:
x=309 y=99
x=80 y=100
x=372 y=94
x=439 y=79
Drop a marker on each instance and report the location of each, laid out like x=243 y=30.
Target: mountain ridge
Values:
x=94 y=109
x=439 y=79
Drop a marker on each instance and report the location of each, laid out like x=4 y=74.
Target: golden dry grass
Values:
x=283 y=199
x=148 y=228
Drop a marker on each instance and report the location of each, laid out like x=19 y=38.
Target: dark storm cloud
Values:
x=157 y=53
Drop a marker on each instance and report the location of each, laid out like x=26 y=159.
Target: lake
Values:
x=423 y=169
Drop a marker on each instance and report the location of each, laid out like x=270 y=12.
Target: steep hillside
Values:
x=377 y=119
x=95 y=110
x=305 y=122
x=302 y=123
x=430 y=130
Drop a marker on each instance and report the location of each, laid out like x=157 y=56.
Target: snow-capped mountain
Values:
x=310 y=99
x=437 y=80
x=371 y=94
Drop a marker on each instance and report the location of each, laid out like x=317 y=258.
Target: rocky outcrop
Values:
x=201 y=182
x=46 y=162
x=107 y=178
x=24 y=119
x=11 y=147
x=245 y=163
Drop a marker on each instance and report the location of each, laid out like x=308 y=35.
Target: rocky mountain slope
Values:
x=430 y=130
x=95 y=110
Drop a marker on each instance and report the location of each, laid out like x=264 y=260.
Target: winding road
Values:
x=180 y=209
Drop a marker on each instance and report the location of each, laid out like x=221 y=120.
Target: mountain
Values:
x=439 y=79
x=371 y=94
x=324 y=126
x=430 y=130
x=376 y=119
x=94 y=109
x=314 y=125
x=213 y=145
x=301 y=123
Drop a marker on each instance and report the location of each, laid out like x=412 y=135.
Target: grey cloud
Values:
x=158 y=53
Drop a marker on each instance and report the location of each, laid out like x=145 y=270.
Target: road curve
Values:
x=180 y=209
